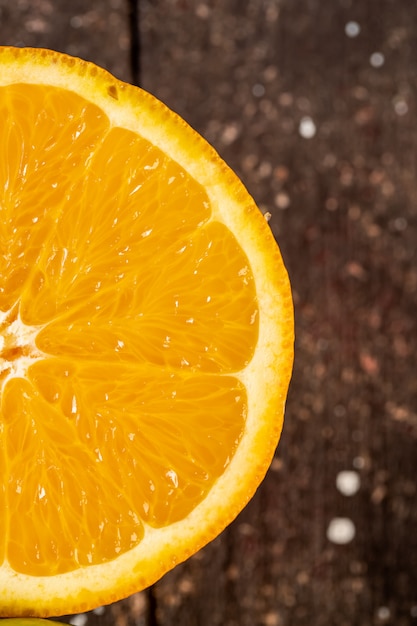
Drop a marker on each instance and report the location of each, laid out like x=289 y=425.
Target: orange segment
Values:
x=145 y=338
x=117 y=440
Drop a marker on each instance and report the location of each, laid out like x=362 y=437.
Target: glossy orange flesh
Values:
x=125 y=311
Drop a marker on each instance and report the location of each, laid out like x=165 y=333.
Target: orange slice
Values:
x=146 y=338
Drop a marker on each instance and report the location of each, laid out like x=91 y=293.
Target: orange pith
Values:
x=131 y=320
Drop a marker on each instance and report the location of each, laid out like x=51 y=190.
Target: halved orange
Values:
x=146 y=338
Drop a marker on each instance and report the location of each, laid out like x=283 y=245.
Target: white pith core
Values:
x=18 y=347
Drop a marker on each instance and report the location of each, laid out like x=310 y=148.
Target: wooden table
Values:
x=313 y=103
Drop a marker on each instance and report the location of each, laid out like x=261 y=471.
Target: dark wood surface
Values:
x=319 y=120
